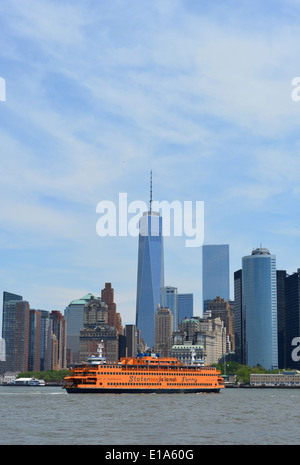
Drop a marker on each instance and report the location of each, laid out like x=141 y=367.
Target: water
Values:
x=48 y=415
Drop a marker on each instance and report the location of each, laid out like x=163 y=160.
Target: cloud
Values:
x=100 y=93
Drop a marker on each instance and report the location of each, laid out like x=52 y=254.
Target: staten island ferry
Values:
x=146 y=373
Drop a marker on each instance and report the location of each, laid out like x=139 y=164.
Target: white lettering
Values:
x=296 y=352
x=2 y=90
x=296 y=91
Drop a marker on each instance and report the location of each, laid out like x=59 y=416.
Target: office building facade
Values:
x=260 y=308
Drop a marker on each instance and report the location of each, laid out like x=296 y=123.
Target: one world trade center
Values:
x=150 y=274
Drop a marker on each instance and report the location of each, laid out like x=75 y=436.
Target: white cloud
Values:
x=99 y=93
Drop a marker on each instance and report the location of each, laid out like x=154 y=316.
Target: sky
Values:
x=100 y=93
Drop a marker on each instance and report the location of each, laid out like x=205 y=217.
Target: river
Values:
x=48 y=416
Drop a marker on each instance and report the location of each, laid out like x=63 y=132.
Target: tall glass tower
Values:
x=260 y=308
x=150 y=274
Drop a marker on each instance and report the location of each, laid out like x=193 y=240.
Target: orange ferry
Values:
x=142 y=374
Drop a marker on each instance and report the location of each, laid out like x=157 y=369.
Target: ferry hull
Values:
x=78 y=390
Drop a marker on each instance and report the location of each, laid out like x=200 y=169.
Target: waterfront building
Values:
x=169 y=299
x=185 y=306
x=188 y=352
x=287 y=378
x=260 y=308
x=163 y=331
x=292 y=301
x=215 y=273
x=150 y=273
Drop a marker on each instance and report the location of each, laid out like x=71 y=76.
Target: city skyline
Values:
x=199 y=93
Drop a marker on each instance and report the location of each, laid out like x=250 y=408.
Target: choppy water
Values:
x=49 y=415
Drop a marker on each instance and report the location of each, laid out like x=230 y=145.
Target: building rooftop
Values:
x=83 y=300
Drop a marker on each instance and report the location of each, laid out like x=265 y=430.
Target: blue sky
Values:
x=99 y=93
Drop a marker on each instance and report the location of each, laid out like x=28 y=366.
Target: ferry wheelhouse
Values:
x=142 y=374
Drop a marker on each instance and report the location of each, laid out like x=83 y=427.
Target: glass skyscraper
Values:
x=215 y=273
x=260 y=308
x=150 y=274
x=169 y=299
x=185 y=306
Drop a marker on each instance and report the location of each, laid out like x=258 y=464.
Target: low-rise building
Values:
x=287 y=378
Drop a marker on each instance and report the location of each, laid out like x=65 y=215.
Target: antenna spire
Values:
x=151 y=191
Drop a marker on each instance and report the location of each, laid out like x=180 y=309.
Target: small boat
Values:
x=28 y=382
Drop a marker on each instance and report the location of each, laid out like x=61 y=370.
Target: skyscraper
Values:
x=239 y=319
x=16 y=334
x=169 y=299
x=260 y=308
x=185 y=306
x=131 y=340
x=34 y=350
x=107 y=296
x=163 y=331
x=74 y=316
x=150 y=273
x=281 y=278
x=215 y=272
x=60 y=331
